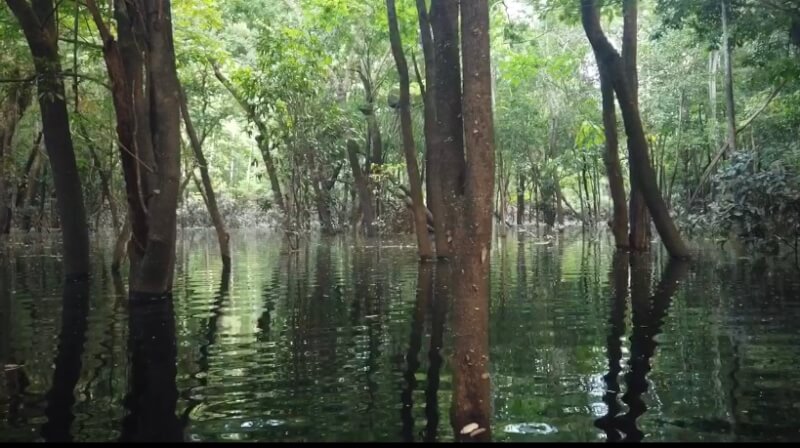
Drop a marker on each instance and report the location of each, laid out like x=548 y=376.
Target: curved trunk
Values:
x=637 y=143
x=366 y=199
x=619 y=222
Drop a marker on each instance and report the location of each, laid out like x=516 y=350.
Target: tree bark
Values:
x=409 y=149
x=433 y=136
x=639 y=239
x=619 y=222
x=447 y=95
x=365 y=196
x=213 y=209
x=38 y=25
x=637 y=143
x=471 y=384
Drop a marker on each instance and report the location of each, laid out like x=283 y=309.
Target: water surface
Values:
x=353 y=341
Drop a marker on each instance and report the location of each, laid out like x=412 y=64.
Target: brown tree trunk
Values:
x=447 y=99
x=409 y=149
x=213 y=209
x=637 y=143
x=38 y=24
x=471 y=385
x=366 y=199
x=619 y=222
x=639 y=239
x=433 y=136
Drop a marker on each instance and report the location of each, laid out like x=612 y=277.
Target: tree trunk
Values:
x=39 y=27
x=471 y=384
x=11 y=112
x=366 y=199
x=213 y=209
x=730 y=109
x=409 y=149
x=447 y=95
x=520 y=199
x=639 y=218
x=123 y=237
x=637 y=143
x=433 y=136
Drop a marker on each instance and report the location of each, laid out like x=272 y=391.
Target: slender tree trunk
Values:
x=38 y=24
x=120 y=246
x=213 y=209
x=730 y=109
x=409 y=149
x=713 y=65
x=262 y=139
x=639 y=218
x=520 y=199
x=433 y=136
x=637 y=143
x=365 y=198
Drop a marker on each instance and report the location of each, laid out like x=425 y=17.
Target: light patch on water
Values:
x=530 y=428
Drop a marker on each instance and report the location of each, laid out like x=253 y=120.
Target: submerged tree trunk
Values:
x=471 y=384
x=148 y=127
x=409 y=149
x=639 y=218
x=433 y=136
x=211 y=197
x=39 y=26
x=619 y=222
x=366 y=199
x=637 y=143
x=449 y=121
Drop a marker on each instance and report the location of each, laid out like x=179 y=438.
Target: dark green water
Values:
x=335 y=343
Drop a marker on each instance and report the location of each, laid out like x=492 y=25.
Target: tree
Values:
x=37 y=20
x=641 y=168
x=409 y=150
x=148 y=127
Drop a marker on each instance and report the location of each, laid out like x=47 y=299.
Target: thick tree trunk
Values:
x=433 y=136
x=471 y=384
x=447 y=99
x=39 y=27
x=409 y=149
x=366 y=199
x=213 y=209
x=727 y=47
x=637 y=143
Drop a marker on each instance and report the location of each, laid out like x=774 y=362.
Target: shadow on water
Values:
x=71 y=339
x=647 y=316
x=152 y=394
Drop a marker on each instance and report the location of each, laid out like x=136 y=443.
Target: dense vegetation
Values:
x=306 y=114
